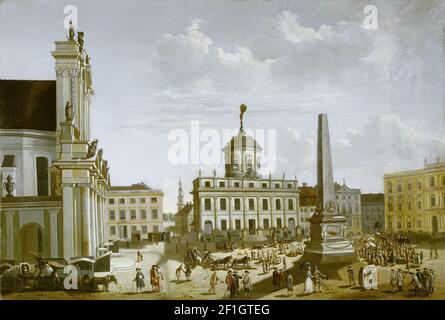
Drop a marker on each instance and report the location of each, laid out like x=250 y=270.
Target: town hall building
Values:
x=242 y=204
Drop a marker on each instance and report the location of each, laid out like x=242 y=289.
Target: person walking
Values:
x=178 y=272
x=318 y=276
x=393 y=281
x=289 y=283
x=284 y=263
x=275 y=279
x=351 y=276
x=421 y=256
x=247 y=284
x=230 y=282
x=360 y=277
x=237 y=280
x=308 y=284
x=432 y=280
x=139 y=279
x=213 y=282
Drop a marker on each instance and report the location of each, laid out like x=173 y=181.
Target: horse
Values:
x=224 y=261
x=243 y=260
x=104 y=281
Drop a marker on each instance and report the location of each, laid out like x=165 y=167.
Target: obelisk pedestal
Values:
x=328 y=242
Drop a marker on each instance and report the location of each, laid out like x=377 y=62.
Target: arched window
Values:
x=42 y=176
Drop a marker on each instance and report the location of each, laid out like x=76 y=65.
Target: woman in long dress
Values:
x=308 y=285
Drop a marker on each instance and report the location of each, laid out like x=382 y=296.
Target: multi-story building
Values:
x=134 y=212
x=415 y=199
x=308 y=204
x=242 y=202
x=373 y=212
x=348 y=202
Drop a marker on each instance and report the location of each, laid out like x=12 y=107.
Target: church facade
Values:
x=242 y=203
x=53 y=177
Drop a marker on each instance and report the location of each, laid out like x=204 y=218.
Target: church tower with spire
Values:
x=180 y=203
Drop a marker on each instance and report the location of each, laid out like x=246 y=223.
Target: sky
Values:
x=160 y=65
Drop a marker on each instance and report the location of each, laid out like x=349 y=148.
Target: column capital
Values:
x=60 y=72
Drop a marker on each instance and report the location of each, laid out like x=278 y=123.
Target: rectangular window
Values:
x=111 y=201
x=265 y=204
x=144 y=229
x=154 y=213
x=223 y=204
x=264 y=185
x=154 y=200
x=155 y=228
x=122 y=214
x=224 y=225
x=237 y=204
x=419 y=204
x=277 y=186
x=290 y=204
x=419 y=185
x=279 y=223
x=399 y=188
x=142 y=200
x=236 y=184
x=433 y=200
x=277 y=204
x=251 y=204
x=237 y=224
x=132 y=200
x=207 y=184
x=266 y=224
x=289 y=185
x=133 y=214
x=134 y=229
x=207 y=204
x=222 y=184
x=432 y=182
x=409 y=186
x=389 y=187
x=112 y=215
x=122 y=201
x=143 y=214
x=113 y=230
x=251 y=185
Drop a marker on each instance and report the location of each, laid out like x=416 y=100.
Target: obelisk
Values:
x=328 y=242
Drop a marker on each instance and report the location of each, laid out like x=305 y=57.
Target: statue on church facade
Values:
x=80 y=40
x=9 y=186
x=69 y=111
x=92 y=148
x=71 y=31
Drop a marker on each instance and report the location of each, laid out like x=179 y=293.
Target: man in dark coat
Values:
x=360 y=277
x=230 y=282
x=139 y=279
x=276 y=279
x=237 y=279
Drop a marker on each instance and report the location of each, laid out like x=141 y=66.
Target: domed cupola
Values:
x=242 y=154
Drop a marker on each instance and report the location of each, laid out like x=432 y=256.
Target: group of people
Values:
x=156 y=278
x=237 y=284
x=187 y=272
x=314 y=281
x=386 y=250
x=423 y=282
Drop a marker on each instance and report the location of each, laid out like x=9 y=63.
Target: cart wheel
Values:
x=18 y=285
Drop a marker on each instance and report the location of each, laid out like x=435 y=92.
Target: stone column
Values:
x=99 y=219
x=86 y=221
x=9 y=235
x=68 y=222
x=54 y=232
